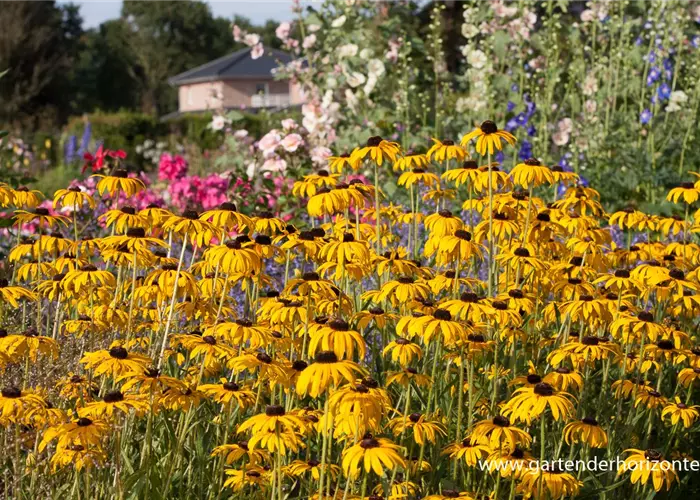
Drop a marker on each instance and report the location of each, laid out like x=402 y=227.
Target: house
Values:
x=237 y=81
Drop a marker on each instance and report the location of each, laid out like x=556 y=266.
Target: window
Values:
x=262 y=88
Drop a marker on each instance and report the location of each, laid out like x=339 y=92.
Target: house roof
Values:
x=233 y=66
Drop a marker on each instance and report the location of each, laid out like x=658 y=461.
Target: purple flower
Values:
x=695 y=41
x=525 y=151
x=651 y=57
x=85 y=139
x=653 y=75
x=645 y=117
x=531 y=131
x=500 y=156
x=510 y=106
x=664 y=91
x=69 y=152
x=668 y=64
x=514 y=87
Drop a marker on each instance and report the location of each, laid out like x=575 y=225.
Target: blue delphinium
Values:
x=664 y=91
x=85 y=139
x=69 y=150
x=645 y=117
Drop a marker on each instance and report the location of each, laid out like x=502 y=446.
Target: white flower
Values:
x=251 y=39
x=560 y=138
x=565 y=125
x=678 y=97
x=313 y=28
x=347 y=50
x=590 y=106
x=672 y=107
x=469 y=30
x=590 y=85
x=240 y=134
x=375 y=68
x=250 y=170
x=309 y=41
x=366 y=53
x=218 y=122
x=477 y=59
x=371 y=83
x=351 y=99
x=338 y=21
x=355 y=79
x=257 y=51
x=292 y=142
x=587 y=16
x=331 y=82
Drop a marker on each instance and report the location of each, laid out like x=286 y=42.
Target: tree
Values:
x=166 y=38
x=38 y=43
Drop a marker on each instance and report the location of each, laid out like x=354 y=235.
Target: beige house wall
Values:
x=199 y=96
x=234 y=93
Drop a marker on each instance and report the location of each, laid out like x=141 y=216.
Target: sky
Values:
x=95 y=12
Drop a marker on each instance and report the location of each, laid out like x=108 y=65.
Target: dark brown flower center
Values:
x=118 y=353
x=544 y=389
x=274 y=410
x=11 y=392
x=488 y=127
x=326 y=357
x=113 y=397
x=374 y=141
x=442 y=315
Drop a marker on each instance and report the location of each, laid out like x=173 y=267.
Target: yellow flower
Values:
x=372 y=454
x=488 y=137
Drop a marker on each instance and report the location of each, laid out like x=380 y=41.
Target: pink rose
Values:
x=257 y=51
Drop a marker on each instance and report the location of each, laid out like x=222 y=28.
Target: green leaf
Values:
x=3 y=133
x=235 y=116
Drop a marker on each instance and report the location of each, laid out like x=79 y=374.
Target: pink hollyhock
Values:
x=171 y=167
x=212 y=191
x=183 y=191
x=292 y=142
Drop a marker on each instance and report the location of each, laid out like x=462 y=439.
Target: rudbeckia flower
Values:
x=73 y=197
x=588 y=431
x=648 y=464
x=445 y=150
x=114 y=362
x=378 y=150
x=327 y=369
x=25 y=197
x=13 y=294
x=488 y=138
x=119 y=181
x=372 y=454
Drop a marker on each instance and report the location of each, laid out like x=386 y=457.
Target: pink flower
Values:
x=289 y=124
x=237 y=33
x=269 y=142
x=292 y=142
x=319 y=155
x=257 y=51
x=274 y=164
x=309 y=41
x=251 y=39
x=171 y=167
x=212 y=191
x=282 y=31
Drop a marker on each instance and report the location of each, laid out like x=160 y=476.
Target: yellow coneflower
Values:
x=25 y=197
x=685 y=191
x=470 y=450
x=678 y=411
x=531 y=173
x=119 y=181
x=73 y=198
x=445 y=150
x=378 y=150
x=586 y=430
x=488 y=138
x=646 y=465
x=500 y=434
x=371 y=454
x=531 y=402
x=410 y=160
x=326 y=369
